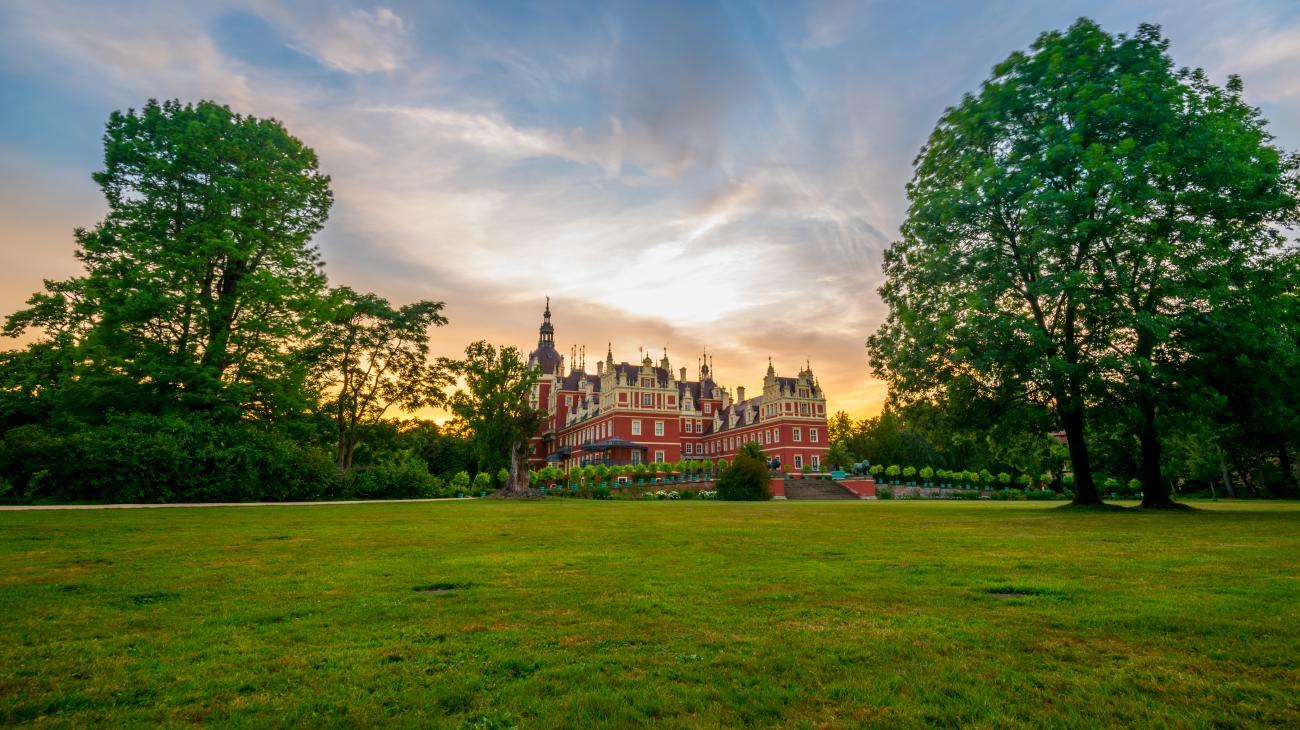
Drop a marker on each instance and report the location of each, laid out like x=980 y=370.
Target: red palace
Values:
x=627 y=414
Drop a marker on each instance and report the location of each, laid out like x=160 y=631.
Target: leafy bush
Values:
x=1041 y=495
x=399 y=477
x=482 y=482
x=746 y=480
x=966 y=494
x=687 y=494
x=600 y=493
x=147 y=458
x=1008 y=494
x=884 y=493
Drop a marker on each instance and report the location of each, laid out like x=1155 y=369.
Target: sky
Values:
x=690 y=175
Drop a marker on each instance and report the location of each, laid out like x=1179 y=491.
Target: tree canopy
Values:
x=1067 y=224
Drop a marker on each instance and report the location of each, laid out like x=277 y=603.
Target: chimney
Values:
x=740 y=394
x=683 y=374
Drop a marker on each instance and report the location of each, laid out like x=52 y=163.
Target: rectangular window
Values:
x=690 y=449
x=708 y=407
x=636 y=428
x=636 y=456
x=647 y=399
x=798 y=434
x=689 y=427
x=776 y=435
x=659 y=457
x=812 y=435
x=798 y=460
x=568 y=400
x=816 y=461
x=659 y=428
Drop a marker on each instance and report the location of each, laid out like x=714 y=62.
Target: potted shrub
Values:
x=875 y=470
x=909 y=473
x=892 y=472
x=1004 y=479
x=927 y=476
x=986 y=478
x=460 y=482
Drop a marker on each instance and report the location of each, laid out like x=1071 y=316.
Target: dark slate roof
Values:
x=748 y=410
x=632 y=372
x=547 y=359
x=570 y=381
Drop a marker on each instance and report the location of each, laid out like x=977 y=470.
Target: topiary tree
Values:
x=1134 y=486
x=985 y=477
x=909 y=472
x=746 y=480
x=927 y=474
x=892 y=472
x=1004 y=479
x=1026 y=481
x=875 y=471
x=503 y=477
x=483 y=481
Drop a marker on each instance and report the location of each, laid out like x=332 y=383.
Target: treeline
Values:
x=201 y=354
x=1097 y=244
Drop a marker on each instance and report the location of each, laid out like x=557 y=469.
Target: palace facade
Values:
x=626 y=413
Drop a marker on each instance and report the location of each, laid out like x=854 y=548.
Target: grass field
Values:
x=576 y=614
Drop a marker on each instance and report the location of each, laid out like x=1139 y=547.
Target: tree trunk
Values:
x=1154 y=491
x=1085 y=491
x=1227 y=481
x=518 y=484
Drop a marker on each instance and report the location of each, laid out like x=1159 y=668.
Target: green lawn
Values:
x=574 y=613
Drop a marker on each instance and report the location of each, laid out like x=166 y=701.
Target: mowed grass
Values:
x=571 y=613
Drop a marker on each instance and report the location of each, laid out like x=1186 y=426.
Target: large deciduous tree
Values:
x=373 y=357
x=1066 y=221
x=202 y=280
x=496 y=403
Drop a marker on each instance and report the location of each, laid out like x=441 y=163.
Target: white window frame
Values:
x=568 y=400
x=816 y=462
x=659 y=428
x=659 y=457
x=636 y=427
x=798 y=461
x=798 y=434
x=812 y=435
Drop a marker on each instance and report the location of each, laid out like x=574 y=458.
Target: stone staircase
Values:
x=816 y=489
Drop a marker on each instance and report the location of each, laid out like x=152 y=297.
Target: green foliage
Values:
x=372 y=358
x=747 y=479
x=1071 y=226
x=753 y=450
x=459 y=483
x=495 y=403
x=201 y=280
x=483 y=481
x=400 y=476
x=927 y=473
x=144 y=458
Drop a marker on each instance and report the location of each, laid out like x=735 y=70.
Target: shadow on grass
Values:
x=1106 y=507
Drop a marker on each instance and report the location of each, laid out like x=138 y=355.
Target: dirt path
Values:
x=20 y=508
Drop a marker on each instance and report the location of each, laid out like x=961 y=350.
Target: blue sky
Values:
x=721 y=175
